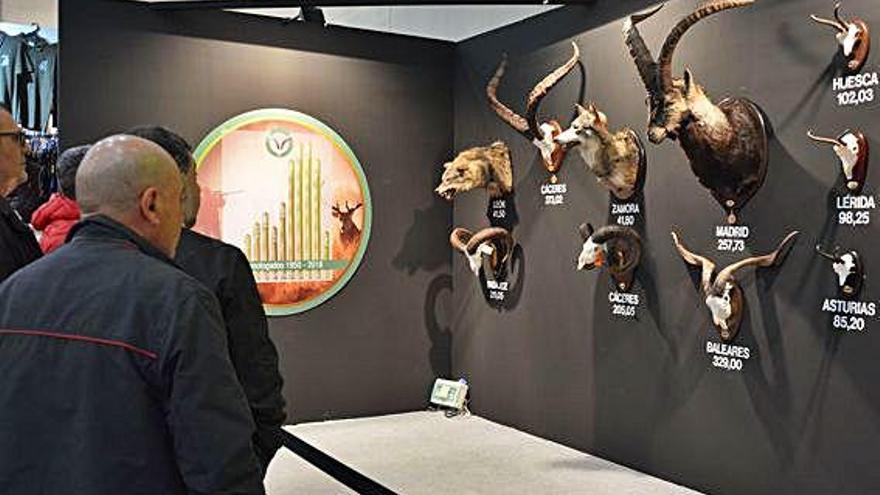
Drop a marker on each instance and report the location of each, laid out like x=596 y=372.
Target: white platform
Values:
x=424 y=453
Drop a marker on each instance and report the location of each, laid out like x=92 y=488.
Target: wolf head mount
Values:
x=726 y=144
x=616 y=158
x=852 y=35
x=849 y=270
x=481 y=167
x=618 y=248
x=722 y=293
x=541 y=135
x=489 y=248
x=851 y=148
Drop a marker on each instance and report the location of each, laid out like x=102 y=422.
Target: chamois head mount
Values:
x=723 y=294
x=480 y=167
x=848 y=268
x=541 y=135
x=617 y=159
x=489 y=248
x=617 y=248
x=853 y=36
x=726 y=144
x=851 y=149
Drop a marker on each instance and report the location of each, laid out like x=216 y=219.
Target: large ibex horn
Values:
x=766 y=260
x=585 y=230
x=640 y=52
x=839 y=24
x=503 y=111
x=665 y=59
x=633 y=239
x=692 y=258
x=543 y=88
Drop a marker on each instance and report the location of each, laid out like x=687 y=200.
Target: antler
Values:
x=543 y=88
x=640 y=53
x=665 y=59
x=527 y=126
x=692 y=258
x=506 y=114
x=822 y=139
x=770 y=259
x=833 y=257
x=839 y=24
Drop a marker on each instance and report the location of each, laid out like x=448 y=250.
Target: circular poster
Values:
x=289 y=192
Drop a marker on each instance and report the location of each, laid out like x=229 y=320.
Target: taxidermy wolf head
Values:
x=482 y=167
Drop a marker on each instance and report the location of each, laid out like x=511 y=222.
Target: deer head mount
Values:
x=722 y=293
x=541 y=135
x=726 y=144
x=490 y=247
x=849 y=270
x=851 y=148
x=616 y=158
x=348 y=231
x=617 y=248
x=481 y=167
x=852 y=35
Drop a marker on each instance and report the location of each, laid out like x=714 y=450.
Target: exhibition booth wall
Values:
x=551 y=359
x=641 y=376
x=368 y=350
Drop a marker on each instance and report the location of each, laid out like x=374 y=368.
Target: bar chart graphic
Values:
x=290 y=194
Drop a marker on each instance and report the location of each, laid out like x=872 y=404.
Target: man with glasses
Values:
x=18 y=246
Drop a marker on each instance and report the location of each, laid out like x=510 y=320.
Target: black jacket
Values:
x=225 y=270
x=18 y=246
x=116 y=378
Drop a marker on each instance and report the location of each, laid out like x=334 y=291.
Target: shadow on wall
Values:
x=420 y=244
x=440 y=335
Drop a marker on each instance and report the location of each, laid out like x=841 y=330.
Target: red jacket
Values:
x=54 y=219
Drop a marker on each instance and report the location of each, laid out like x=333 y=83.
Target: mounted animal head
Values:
x=849 y=270
x=617 y=248
x=617 y=159
x=541 y=135
x=481 y=167
x=492 y=245
x=852 y=35
x=723 y=295
x=851 y=148
x=726 y=144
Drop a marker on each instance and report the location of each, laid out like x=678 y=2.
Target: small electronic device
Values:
x=449 y=394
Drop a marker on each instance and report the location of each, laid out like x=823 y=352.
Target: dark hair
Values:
x=66 y=167
x=175 y=145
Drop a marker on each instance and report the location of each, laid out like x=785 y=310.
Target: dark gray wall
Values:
x=803 y=415
x=376 y=346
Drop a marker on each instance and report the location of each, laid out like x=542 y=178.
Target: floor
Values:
x=427 y=453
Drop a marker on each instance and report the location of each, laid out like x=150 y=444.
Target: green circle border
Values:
x=301 y=119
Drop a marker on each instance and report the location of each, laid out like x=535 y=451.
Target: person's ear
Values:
x=149 y=205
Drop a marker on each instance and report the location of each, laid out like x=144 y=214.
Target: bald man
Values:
x=18 y=246
x=116 y=377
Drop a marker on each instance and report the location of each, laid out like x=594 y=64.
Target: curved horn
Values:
x=694 y=259
x=665 y=60
x=640 y=53
x=762 y=261
x=459 y=238
x=492 y=234
x=822 y=139
x=585 y=230
x=833 y=257
x=543 y=88
x=609 y=231
x=512 y=118
x=837 y=15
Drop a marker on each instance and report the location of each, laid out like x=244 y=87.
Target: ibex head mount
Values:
x=727 y=143
x=849 y=270
x=722 y=293
x=541 y=135
x=851 y=148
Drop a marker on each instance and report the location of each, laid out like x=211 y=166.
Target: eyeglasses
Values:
x=19 y=133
